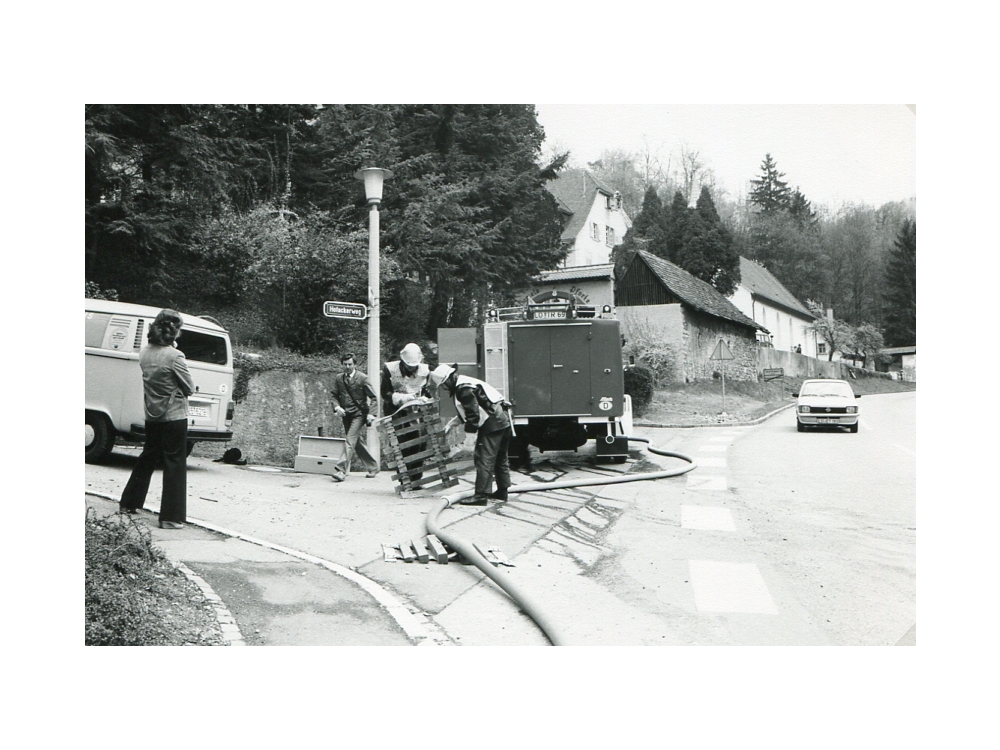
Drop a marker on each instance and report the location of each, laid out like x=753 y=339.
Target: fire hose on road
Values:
x=469 y=552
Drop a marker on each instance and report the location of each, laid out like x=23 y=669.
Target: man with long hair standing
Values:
x=166 y=385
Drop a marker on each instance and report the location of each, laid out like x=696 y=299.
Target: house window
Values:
x=609 y=233
x=595 y=232
x=821 y=348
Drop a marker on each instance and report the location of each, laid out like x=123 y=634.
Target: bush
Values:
x=127 y=580
x=646 y=346
x=639 y=384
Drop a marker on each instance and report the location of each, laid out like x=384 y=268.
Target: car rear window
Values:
x=203 y=347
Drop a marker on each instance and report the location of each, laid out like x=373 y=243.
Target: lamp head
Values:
x=373 y=177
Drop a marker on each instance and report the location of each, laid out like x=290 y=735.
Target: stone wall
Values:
x=702 y=333
x=692 y=336
x=799 y=365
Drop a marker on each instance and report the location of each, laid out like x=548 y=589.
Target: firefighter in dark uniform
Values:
x=485 y=413
x=405 y=381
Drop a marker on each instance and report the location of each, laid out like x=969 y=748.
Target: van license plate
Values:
x=198 y=411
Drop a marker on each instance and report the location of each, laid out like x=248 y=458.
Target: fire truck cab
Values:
x=560 y=366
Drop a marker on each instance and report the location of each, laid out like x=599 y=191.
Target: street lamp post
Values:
x=373 y=177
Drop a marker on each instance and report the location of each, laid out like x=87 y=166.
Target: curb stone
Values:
x=227 y=623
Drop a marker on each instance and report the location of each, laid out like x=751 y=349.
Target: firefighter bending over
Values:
x=403 y=382
x=485 y=413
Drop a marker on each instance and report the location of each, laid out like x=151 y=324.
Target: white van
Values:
x=115 y=332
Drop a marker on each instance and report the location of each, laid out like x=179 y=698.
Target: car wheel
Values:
x=100 y=438
x=854 y=427
x=799 y=426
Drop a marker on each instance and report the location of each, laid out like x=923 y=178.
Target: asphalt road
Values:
x=777 y=538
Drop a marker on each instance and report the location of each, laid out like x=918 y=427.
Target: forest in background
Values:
x=252 y=214
x=858 y=261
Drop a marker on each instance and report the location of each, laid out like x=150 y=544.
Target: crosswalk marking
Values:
x=713 y=448
x=727 y=587
x=715 y=462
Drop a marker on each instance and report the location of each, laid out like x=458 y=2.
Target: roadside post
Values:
x=723 y=355
x=372 y=177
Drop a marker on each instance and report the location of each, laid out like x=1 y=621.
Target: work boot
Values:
x=500 y=494
x=474 y=500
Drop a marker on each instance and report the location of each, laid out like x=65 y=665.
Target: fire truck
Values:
x=559 y=364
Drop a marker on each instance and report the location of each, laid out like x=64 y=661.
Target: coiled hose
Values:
x=469 y=552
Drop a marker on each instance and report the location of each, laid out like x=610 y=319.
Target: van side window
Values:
x=97 y=324
x=203 y=347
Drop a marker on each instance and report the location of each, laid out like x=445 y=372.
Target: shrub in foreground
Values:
x=639 y=384
x=130 y=588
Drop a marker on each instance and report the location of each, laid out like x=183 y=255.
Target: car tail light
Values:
x=804 y=409
x=230 y=410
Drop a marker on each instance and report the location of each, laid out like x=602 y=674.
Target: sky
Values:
x=834 y=154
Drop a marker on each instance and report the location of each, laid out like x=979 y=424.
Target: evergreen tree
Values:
x=900 y=290
x=707 y=251
x=675 y=225
x=770 y=193
x=647 y=233
x=800 y=209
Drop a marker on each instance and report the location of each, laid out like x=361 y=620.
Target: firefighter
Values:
x=485 y=413
x=404 y=381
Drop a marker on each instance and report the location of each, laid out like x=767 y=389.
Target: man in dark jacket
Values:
x=353 y=400
x=485 y=413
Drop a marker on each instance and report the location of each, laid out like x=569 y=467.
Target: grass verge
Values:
x=701 y=403
x=135 y=596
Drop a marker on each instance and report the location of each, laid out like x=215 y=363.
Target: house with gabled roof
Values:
x=594 y=220
x=663 y=304
x=761 y=297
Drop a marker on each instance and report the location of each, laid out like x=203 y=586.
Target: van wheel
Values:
x=100 y=438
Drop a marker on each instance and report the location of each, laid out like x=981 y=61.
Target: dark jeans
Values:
x=490 y=457
x=166 y=441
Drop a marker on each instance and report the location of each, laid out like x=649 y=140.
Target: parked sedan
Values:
x=826 y=403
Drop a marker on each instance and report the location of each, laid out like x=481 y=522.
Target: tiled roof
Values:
x=762 y=283
x=604 y=270
x=574 y=191
x=695 y=292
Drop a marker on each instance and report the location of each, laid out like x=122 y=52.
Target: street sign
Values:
x=722 y=351
x=350 y=310
x=773 y=373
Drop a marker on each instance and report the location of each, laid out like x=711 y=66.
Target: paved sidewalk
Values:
x=275 y=598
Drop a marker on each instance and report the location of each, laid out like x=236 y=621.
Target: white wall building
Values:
x=595 y=219
x=763 y=299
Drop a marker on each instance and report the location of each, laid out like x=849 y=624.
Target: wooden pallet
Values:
x=418 y=425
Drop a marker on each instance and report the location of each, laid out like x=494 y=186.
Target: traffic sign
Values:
x=722 y=351
x=773 y=373
x=350 y=310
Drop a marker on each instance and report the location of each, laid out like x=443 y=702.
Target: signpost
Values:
x=722 y=354
x=349 y=310
x=773 y=373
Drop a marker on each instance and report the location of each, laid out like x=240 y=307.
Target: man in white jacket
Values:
x=403 y=382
